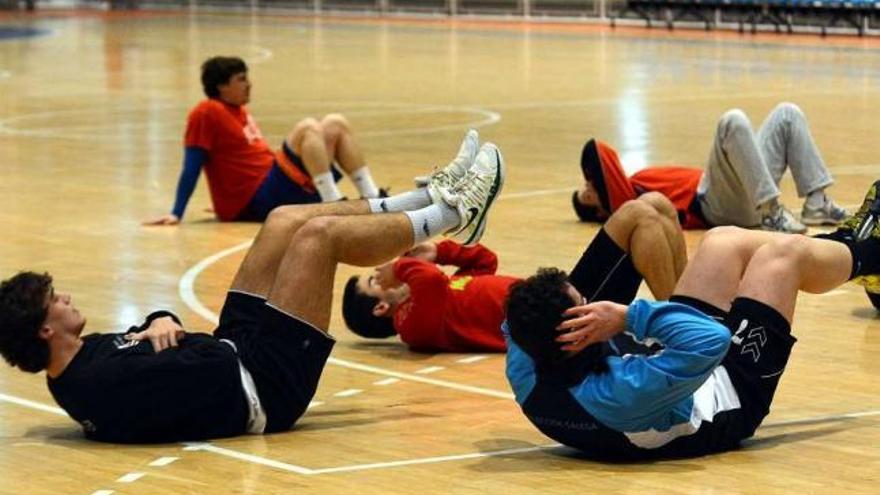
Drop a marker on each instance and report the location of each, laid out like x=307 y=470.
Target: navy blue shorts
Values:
x=285 y=355
x=278 y=189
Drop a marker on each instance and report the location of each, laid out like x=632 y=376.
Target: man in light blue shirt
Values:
x=725 y=336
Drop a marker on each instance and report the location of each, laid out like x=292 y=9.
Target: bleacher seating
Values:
x=749 y=14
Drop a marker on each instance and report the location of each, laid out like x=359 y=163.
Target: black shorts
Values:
x=760 y=346
x=284 y=355
x=605 y=272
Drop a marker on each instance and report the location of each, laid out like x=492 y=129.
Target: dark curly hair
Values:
x=217 y=71
x=357 y=311
x=534 y=309
x=23 y=310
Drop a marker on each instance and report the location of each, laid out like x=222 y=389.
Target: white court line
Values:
x=284 y=466
x=33 y=405
x=818 y=419
x=103 y=492
x=430 y=369
x=163 y=461
x=253 y=459
x=314 y=403
x=433 y=460
x=130 y=477
x=186 y=290
x=348 y=393
x=472 y=359
x=387 y=381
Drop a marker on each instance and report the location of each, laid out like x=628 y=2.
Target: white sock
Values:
x=364 y=182
x=408 y=201
x=432 y=220
x=326 y=186
x=816 y=199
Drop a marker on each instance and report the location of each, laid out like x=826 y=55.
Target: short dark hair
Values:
x=357 y=311
x=23 y=309
x=217 y=71
x=587 y=213
x=534 y=309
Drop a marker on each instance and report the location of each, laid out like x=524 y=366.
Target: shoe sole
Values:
x=493 y=193
x=818 y=222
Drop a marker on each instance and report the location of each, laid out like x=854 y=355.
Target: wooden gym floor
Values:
x=92 y=111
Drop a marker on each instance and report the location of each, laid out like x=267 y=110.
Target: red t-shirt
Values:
x=238 y=156
x=677 y=183
x=461 y=313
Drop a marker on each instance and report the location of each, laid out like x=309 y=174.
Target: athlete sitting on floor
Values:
x=245 y=177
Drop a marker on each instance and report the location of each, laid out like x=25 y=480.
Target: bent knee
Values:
x=734 y=120
x=335 y=123
x=638 y=209
x=306 y=127
x=789 y=247
x=660 y=203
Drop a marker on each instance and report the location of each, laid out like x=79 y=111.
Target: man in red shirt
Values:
x=430 y=311
x=740 y=183
x=246 y=178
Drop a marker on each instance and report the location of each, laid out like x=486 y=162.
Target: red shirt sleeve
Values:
x=473 y=260
x=419 y=321
x=200 y=128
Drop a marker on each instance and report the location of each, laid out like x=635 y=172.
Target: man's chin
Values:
x=82 y=326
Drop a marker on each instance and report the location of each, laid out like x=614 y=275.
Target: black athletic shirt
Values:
x=123 y=391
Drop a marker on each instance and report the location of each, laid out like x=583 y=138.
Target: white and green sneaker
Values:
x=448 y=176
x=474 y=194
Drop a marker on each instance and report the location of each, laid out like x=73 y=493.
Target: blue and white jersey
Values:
x=677 y=402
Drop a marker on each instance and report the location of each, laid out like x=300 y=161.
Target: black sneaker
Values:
x=866 y=223
x=862 y=223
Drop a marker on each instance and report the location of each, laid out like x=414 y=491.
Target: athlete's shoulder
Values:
x=206 y=108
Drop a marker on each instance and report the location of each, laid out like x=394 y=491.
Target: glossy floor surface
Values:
x=92 y=110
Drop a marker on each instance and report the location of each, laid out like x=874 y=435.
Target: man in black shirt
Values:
x=260 y=369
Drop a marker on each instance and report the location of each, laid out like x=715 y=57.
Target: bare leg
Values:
x=671 y=229
x=641 y=229
x=714 y=273
x=307 y=141
x=341 y=144
x=257 y=272
x=304 y=284
x=778 y=270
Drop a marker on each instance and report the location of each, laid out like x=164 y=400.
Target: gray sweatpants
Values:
x=745 y=167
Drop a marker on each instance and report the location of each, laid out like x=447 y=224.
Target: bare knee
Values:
x=660 y=203
x=335 y=124
x=308 y=127
x=789 y=250
x=631 y=215
x=726 y=239
x=283 y=217
x=316 y=235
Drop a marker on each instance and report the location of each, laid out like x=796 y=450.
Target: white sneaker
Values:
x=446 y=177
x=474 y=194
x=782 y=220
